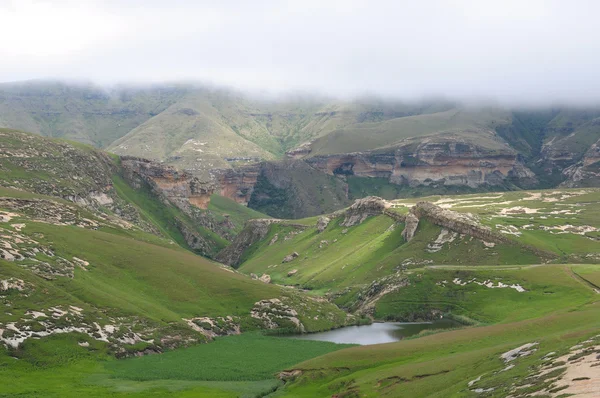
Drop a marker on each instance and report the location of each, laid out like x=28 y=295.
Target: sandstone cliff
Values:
x=178 y=187
x=446 y=160
x=283 y=189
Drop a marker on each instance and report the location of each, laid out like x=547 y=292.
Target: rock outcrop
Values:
x=457 y=222
x=322 y=223
x=237 y=184
x=431 y=161
x=363 y=208
x=411 y=225
x=178 y=187
x=253 y=231
x=586 y=172
x=290 y=257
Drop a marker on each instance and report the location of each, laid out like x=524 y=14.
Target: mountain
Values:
x=228 y=139
x=81 y=112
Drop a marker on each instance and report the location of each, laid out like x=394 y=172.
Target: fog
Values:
x=525 y=52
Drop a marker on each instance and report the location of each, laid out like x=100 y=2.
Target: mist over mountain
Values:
x=410 y=190
x=534 y=52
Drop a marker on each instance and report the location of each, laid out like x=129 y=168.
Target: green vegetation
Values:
x=293 y=189
x=551 y=288
x=223 y=208
x=246 y=357
x=440 y=365
x=167 y=218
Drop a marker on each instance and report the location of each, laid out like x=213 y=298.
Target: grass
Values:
x=342 y=257
x=440 y=365
x=237 y=214
x=166 y=217
x=550 y=289
x=247 y=357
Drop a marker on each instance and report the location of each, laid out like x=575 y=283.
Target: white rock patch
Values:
x=522 y=351
x=518 y=210
x=444 y=237
x=570 y=229
x=488 y=283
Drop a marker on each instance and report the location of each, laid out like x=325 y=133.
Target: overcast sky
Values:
x=509 y=50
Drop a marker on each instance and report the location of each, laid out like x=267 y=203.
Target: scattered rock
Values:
x=522 y=351
x=289 y=375
x=322 y=223
x=290 y=257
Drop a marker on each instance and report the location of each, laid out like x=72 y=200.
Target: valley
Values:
x=208 y=244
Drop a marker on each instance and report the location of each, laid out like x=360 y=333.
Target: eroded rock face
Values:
x=363 y=208
x=237 y=184
x=300 y=151
x=457 y=222
x=412 y=223
x=586 y=172
x=445 y=161
x=179 y=187
x=254 y=231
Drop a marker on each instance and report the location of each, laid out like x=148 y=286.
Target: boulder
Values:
x=266 y=278
x=292 y=272
x=290 y=257
x=322 y=223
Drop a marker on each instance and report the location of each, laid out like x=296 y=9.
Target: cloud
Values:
x=520 y=51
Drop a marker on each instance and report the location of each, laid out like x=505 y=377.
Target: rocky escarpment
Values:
x=237 y=184
x=188 y=194
x=283 y=189
x=363 y=208
x=586 y=172
x=446 y=160
x=172 y=185
x=451 y=220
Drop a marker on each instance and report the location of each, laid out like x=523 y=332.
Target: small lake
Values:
x=376 y=333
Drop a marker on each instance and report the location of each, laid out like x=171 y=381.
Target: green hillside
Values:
x=81 y=112
x=464 y=362
x=109 y=282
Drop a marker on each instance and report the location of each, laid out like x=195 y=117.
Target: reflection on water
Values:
x=376 y=333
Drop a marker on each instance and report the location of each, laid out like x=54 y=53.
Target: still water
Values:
x=376 y=333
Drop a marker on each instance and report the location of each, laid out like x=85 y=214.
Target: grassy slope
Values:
x=221 y=207
x=367 y=136
x=80 y=112
x=132 y=275
x=164 y=216
x=440 y=365
x=341 y=257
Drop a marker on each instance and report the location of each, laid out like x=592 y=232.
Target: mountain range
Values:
x=261 y=151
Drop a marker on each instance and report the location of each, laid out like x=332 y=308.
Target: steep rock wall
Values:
x=179 y=187
x=440 y=161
